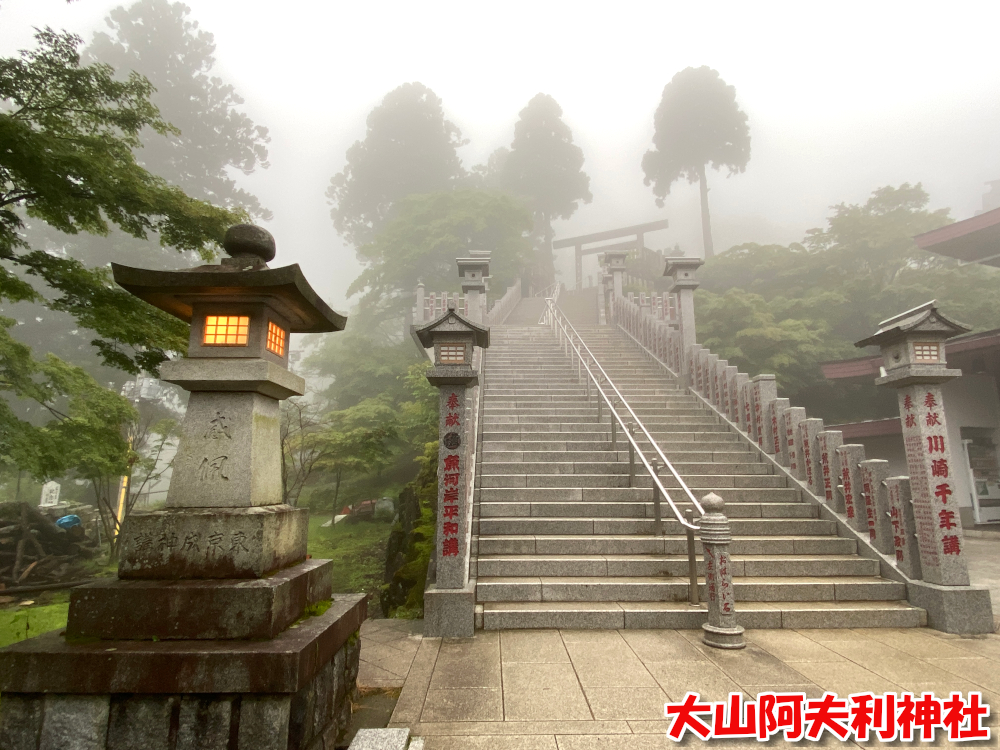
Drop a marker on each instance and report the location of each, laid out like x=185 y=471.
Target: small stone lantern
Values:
x=682 y=271
x=473 y=273
x=449 y=604
x=615 y=260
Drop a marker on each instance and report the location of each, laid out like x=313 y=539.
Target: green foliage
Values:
x=409 y=147
x=357 y=551
x=157 y=39
x=786 y=309
x=423 y=239
x=412 y=542
x=69 y=132
x=546 y=168
x=697 y=123
x=85 y=429
x=21 y=623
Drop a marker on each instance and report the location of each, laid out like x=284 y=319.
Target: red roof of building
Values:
x=975 y=240
x=869 y=428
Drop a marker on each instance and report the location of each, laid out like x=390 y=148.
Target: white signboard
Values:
x=50 y=494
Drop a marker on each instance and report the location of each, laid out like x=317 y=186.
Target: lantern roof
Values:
x=673 y=265
x=452 y=322
x=243 y=277
x=923 y=319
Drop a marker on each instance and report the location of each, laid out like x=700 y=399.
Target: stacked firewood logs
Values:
x=33 y=550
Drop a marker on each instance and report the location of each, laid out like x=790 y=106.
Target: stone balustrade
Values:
x=910 y=537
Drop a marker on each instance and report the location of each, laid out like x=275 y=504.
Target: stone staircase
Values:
x=563 y=541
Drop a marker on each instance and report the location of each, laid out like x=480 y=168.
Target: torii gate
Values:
x=578 y=242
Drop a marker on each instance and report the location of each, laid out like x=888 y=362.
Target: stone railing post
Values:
x=682 y=271
x=773 y=415
x=721 y=630
x=827 y=443
x=420 y=315
x=765 y=390
x=791 y=449
x=808 y=430
x=904 y=527
x=851 y=457
x=874 y=472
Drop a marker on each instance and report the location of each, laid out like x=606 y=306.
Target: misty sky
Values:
x=842 y=98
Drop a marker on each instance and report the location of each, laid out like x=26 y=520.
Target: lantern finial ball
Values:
x=247 y=239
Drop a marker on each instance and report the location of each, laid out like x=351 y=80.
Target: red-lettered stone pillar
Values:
x=912 y=346
x=765 y=390
x=904 y=526
x=827 y=443
x=851 y=457
x=774 y=415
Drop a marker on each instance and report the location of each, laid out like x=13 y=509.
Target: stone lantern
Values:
x=615 y=260
x=682 y=271
x=474 y=273
x=449 y=604
x=200 y=626
x=913 y=355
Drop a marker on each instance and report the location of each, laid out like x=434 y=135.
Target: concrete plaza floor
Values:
x=605 y=690
x=585 y=689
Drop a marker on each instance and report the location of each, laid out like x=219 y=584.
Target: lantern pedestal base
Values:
x=450 y=613
x=717 y=637
x=213 y=542
x=963 y=610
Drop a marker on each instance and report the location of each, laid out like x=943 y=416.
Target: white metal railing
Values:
x=503 y=306
x=588 y=365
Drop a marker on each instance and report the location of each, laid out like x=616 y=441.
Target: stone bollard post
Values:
x=719 y=379
x=708 y=378
x=721 y=630
x=748 y=409
x=765 y=390
x=790 y=450
x=904 y=527
x=690 y=378
x=773 y=415
x=874 y=471
x=736 y=384
x=829 y=462
x=851 y=457
x=808 y=430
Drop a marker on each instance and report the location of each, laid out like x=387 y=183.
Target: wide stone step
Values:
x=671 y=566
x=647 y=589
x=661 y=545
x=734 y=509
x=710 y=481
x=621 y=456
x=684 y=468
x=681 y=615
x=533 y=446
x=616 y=526
x=634 y=494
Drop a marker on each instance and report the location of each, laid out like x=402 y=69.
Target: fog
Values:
x=842 y=98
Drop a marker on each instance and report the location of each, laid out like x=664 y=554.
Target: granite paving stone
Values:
x=626 y=702
x=547 y=691
x=463 y=704
x=532 y=646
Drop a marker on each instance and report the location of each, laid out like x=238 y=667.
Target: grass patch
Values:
x=19 y=623
x=357 y=551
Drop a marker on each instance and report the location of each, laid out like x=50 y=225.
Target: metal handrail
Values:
x=686 y=519
x=559 y=319
x=649 y=437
